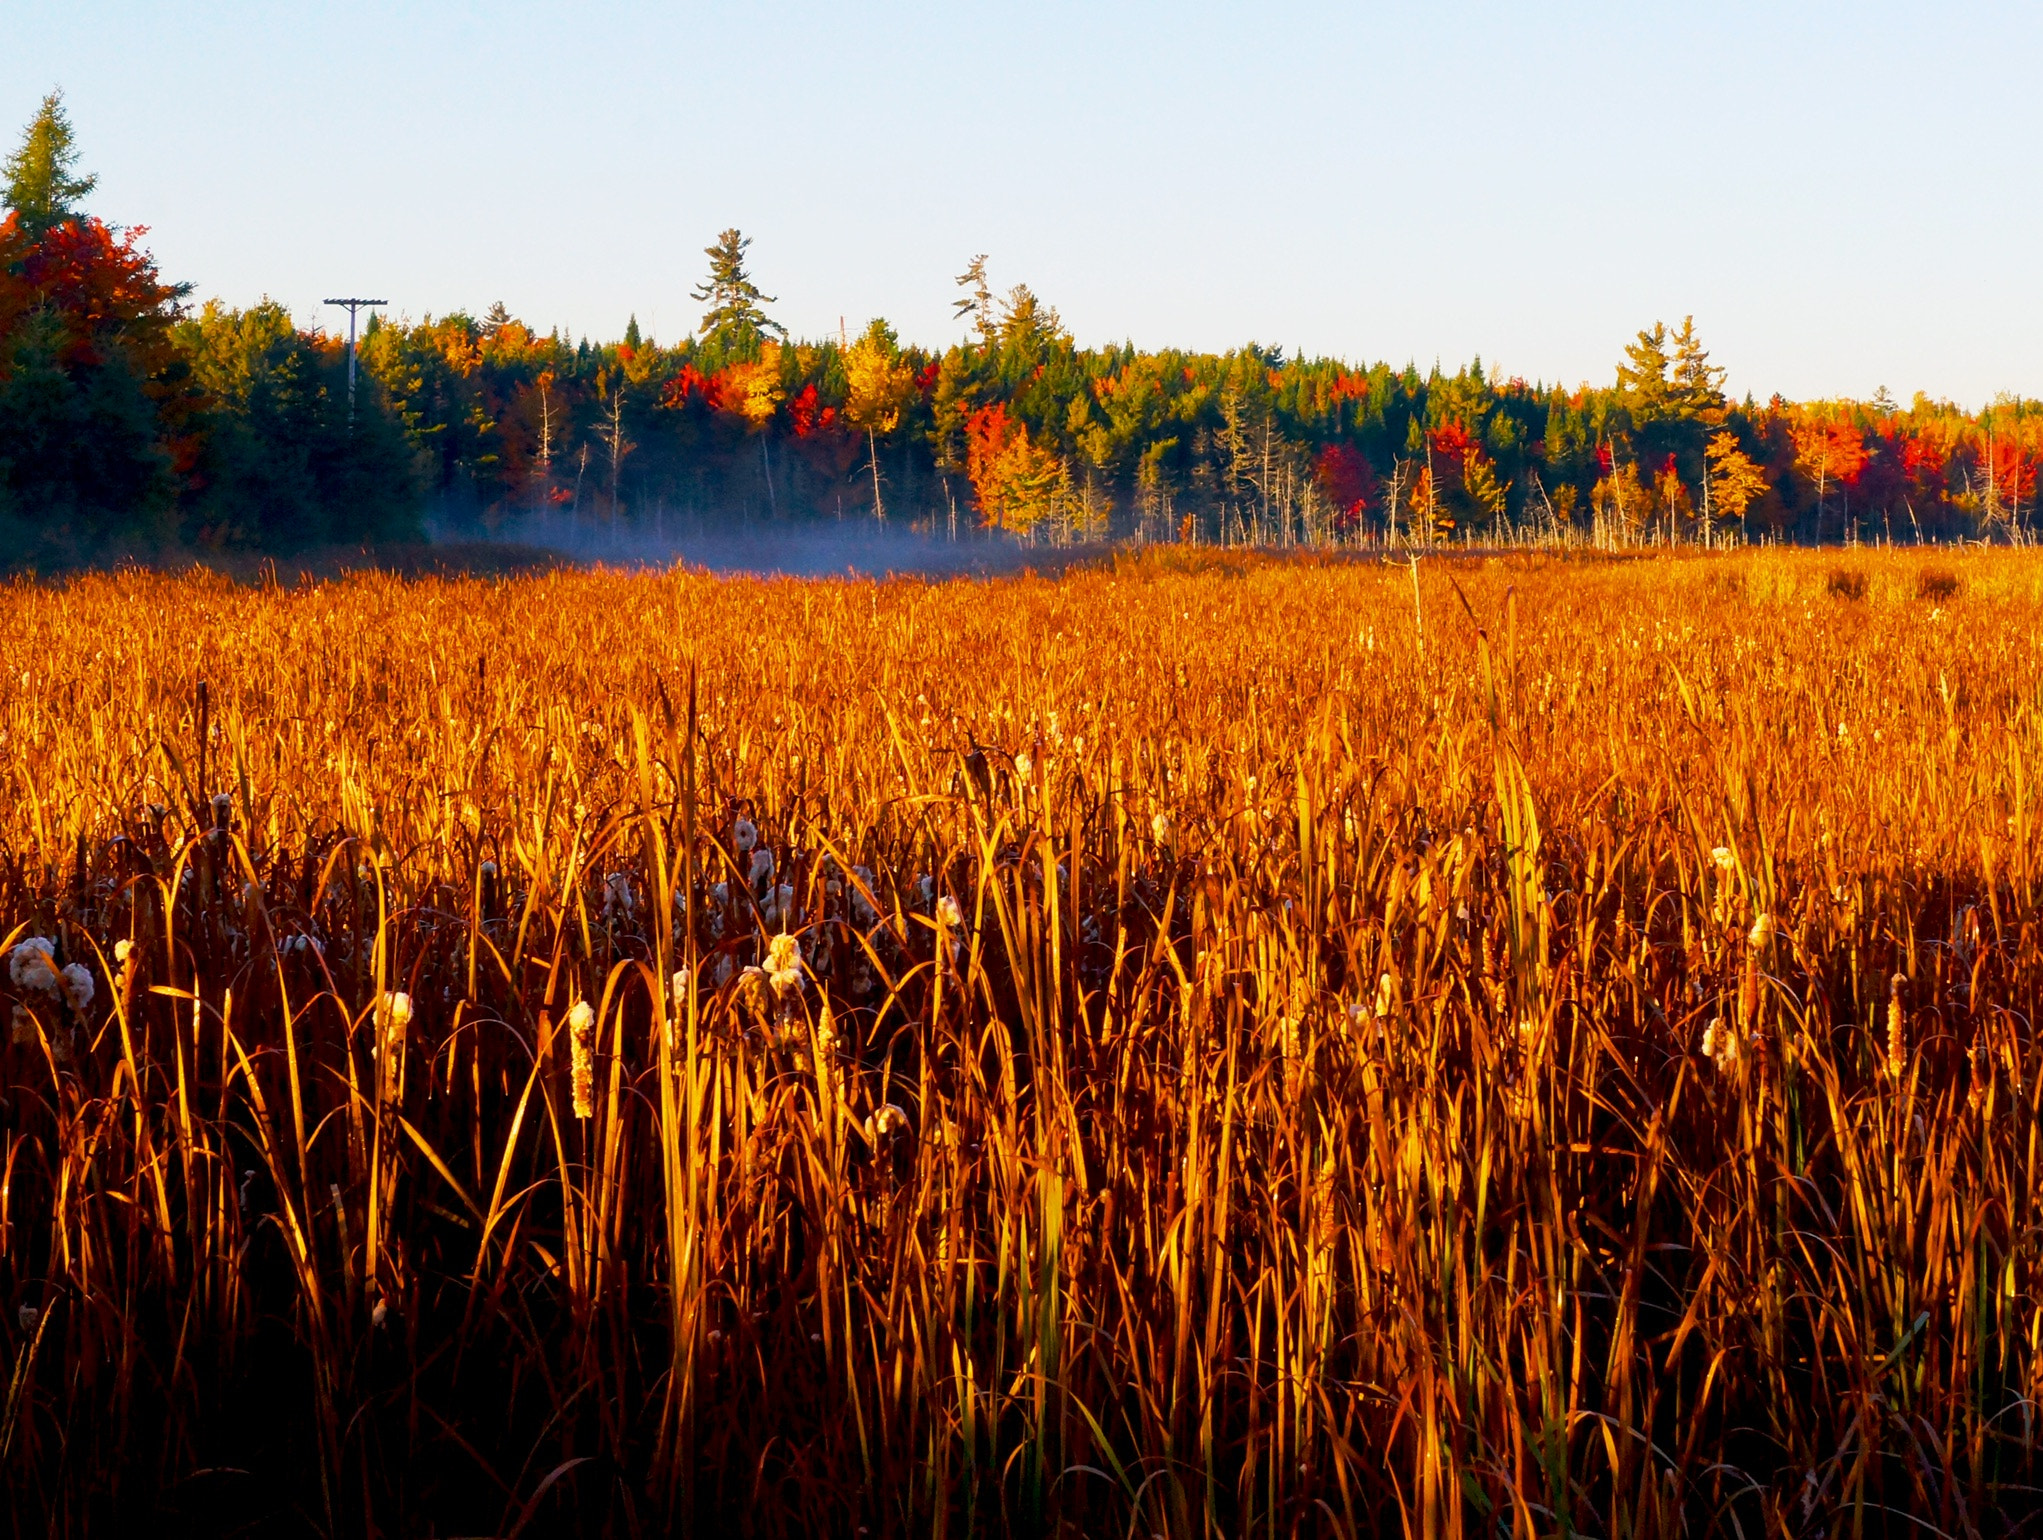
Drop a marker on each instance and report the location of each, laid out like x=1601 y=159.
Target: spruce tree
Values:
x=1698 y=384
x=42 y=185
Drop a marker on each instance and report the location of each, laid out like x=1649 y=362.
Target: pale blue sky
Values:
x=1844 y=195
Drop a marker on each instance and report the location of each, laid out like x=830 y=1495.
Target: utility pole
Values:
x=351 y=306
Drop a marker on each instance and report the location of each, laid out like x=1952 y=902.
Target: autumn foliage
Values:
x=100 y=289
x=1014 y=481
x=128 y=417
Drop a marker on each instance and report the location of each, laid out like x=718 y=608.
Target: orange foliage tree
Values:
x=1829 y=452
x=1017 y=484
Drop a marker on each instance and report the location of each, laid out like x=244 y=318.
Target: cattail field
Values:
x=1197 y=1047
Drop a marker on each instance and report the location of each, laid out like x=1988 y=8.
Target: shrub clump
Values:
x=1937 y=583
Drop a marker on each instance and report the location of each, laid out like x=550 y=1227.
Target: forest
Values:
x=134 y=419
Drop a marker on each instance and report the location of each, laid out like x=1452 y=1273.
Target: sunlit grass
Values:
x=1260 y=1051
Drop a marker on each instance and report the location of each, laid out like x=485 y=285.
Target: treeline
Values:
x=1020 y=428
x=128 y=416
x=127 y=422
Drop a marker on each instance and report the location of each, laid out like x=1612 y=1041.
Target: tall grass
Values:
x=1244 y=1072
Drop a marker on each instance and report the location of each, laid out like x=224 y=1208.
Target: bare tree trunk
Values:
x=618 y=450
x=545 y=466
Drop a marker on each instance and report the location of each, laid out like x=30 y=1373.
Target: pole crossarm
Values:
x=351 y=306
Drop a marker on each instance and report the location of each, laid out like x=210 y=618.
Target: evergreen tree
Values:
x=1028 y=328
x=736 y=319
x=978 y=300
x=281 y=463
x=1642 y=379
x=1697 y=390
x=42 y=184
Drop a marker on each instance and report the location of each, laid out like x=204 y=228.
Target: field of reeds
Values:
x=1511 y=1047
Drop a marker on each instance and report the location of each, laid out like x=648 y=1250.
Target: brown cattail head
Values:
x=393 y=1019
x=1982 y=1075
x=1721 y=1045
x=1897 y=1028
x=581 y=1021
x=890 y=1122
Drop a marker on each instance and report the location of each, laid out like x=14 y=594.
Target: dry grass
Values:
x=1304 y=1123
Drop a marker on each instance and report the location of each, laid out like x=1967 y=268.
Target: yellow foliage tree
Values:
x=1671 y=499
x=877 y=386
x=754 y=389
x=1735 y=480
x=1621 y=500
x=1430 y=518
x=1479 y=479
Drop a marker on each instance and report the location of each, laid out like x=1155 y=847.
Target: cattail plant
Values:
x=1190 y=1075
x=1897 y=1030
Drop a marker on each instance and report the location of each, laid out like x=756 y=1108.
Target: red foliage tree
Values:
x=1924 y=461
x=95 y=406
x=807 y=414
x=101 y=288
x=2011 y=466
x=1345 y=477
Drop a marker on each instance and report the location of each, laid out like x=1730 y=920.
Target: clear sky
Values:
x=1844 y=195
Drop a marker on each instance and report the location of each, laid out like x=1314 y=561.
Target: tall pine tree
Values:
x=736 y=320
